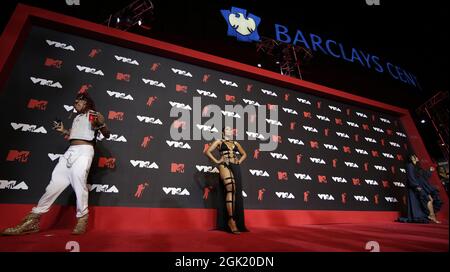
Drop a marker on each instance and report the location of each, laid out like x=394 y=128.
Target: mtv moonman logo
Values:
x=241 y=25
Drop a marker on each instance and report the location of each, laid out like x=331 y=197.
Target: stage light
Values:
x=259 y=65
x=277 y=62
x=422 y=121
x=139 y=22
x=118 y=20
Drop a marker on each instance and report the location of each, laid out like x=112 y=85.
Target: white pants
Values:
x=72 y=168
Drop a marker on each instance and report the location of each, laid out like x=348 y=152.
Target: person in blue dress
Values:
x=423 y=198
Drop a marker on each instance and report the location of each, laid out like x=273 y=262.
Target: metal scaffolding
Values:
x=286 y=57
x=436 y=109
x=138 y=13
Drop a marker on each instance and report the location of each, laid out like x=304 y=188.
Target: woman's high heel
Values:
x=232 y=226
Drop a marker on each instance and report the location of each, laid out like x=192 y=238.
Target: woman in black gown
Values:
x=423 y=198
x=230 y=215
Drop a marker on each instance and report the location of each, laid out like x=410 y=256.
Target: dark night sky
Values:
x=411 y=34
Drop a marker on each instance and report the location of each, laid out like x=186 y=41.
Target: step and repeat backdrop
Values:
x=330 y=155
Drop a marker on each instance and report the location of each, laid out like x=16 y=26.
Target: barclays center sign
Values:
x=244 y=27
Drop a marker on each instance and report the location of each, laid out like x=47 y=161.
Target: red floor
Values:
x=306 y=238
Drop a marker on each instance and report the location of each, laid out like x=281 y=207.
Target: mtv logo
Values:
x=230 y=98
x=181 y=88
x=277 y=138
x=307 y=114
x=16 y=155
x=84 y=88
x=104 y=162
x=177 y=168
x=178 y=124
x=123 y=77
x=282 y=175
x=37 y=104
x=322 y=179
x=356 y=181
x=53 y=63
x=113 y=115
x=94 y=52
x=314 y=144
x=155 y=66
x=205 y=78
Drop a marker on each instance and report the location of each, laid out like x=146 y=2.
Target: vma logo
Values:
x=13 y=185
x=54 y=157
x=207 y=169
x=284 y=195
x=144 y=164
x=241 y=25
x=176 y=191
x=28 y=128
x=259 y=173
x=46 y=82
x=325 y=197
x=60 y=45
x=102 y=188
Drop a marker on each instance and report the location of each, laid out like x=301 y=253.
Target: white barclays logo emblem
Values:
x=241 y=25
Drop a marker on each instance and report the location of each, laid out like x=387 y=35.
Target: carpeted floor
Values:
x=386 y=237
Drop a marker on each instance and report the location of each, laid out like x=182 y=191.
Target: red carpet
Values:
x=307 y=238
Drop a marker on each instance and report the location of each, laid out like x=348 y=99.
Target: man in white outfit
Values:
x=72 y=168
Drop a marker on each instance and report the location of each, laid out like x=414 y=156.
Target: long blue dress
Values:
x=418 y=198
